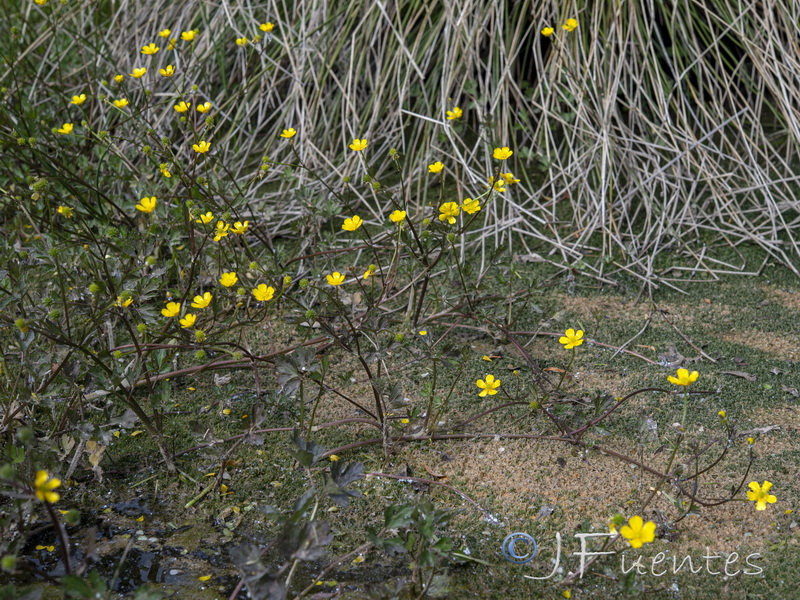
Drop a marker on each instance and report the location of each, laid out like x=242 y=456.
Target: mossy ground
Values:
x=540 y=487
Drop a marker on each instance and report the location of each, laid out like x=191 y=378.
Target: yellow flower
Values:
x=147 y=205
x=760 y=494
x=150 y=49
x=722 y=414
x=369 y=272
x=121 y=103
x=137 y=73
x=470 y=206
x=221 y=231
x=40 y=2
x=423 y=332
x=499 y=185
x=509 y=178
x=566 y=594
x=751 y=441
x=65 y=129
x=206 y=218
x=119 y=78
x=172 y=42
x=164 y=171
x=502 y=153
x=548 y=31
x=288 y=133
x=123 y=302
x=202 y=147
x=683 y=377
x=188 y=36
x=263 y=293
x=202 y=301
x=570 y=25
x=182 y=106
x=571 y=339
x=241 y=41
x=489 y=386
x=229 y=279
x=637 y=532
x=435 y=167
x=172 y=309
x=266 y=27
x=352 y=224
x=65 y=211
x=335 y=278
x=188 y=320
x=333 y=458
x=78 y=100
x=204 y=577
x=204 y=107
x=358 y=145
x=454 y=114
x=239 y=227
x=164 y=33
x=168 y=72
x=397 y=216
x=449 y=211
x=44 y=485
x=48 y=548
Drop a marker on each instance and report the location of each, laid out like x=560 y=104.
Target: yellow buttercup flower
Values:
x=188 y=321
x=206 y=218
x=65 y=129
x=288 y=133
x=502 y=153
x=571 y=339
x=449 y=211
x=683 y=377
x=570 y=25
x=150 y=49
x=263 y=292
x=164 y=33
x=435 y=167
x=147 y=204
x=369 y=272
x=358 y=145
x=509 y=178
x=165 y=171
x=352 y=224
x=548 y=31
x=78 y=100
x=335 y=278
x=40 y=547
x=172 y=309
x=470 y=206
x=454 y=114
x=202 y=147
x=489 y=386
x=499 y=185
x=239 y=227
x=204 y=107
x=241 y=41
x=182 y=106
x=123 y=302
x=221 y=230
x=40 y=2
x=397 y=216
x=119 y=78
x=121 y=103
x=229 y=279
x=172 y=42
x=760 y=494
x=188 y=36
x=202 y=301
x=168 y=72
x=266 y=27
x=137 y=73
x=204 y=577
x=637 y=532
x=65 y=211
x=44 y=485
